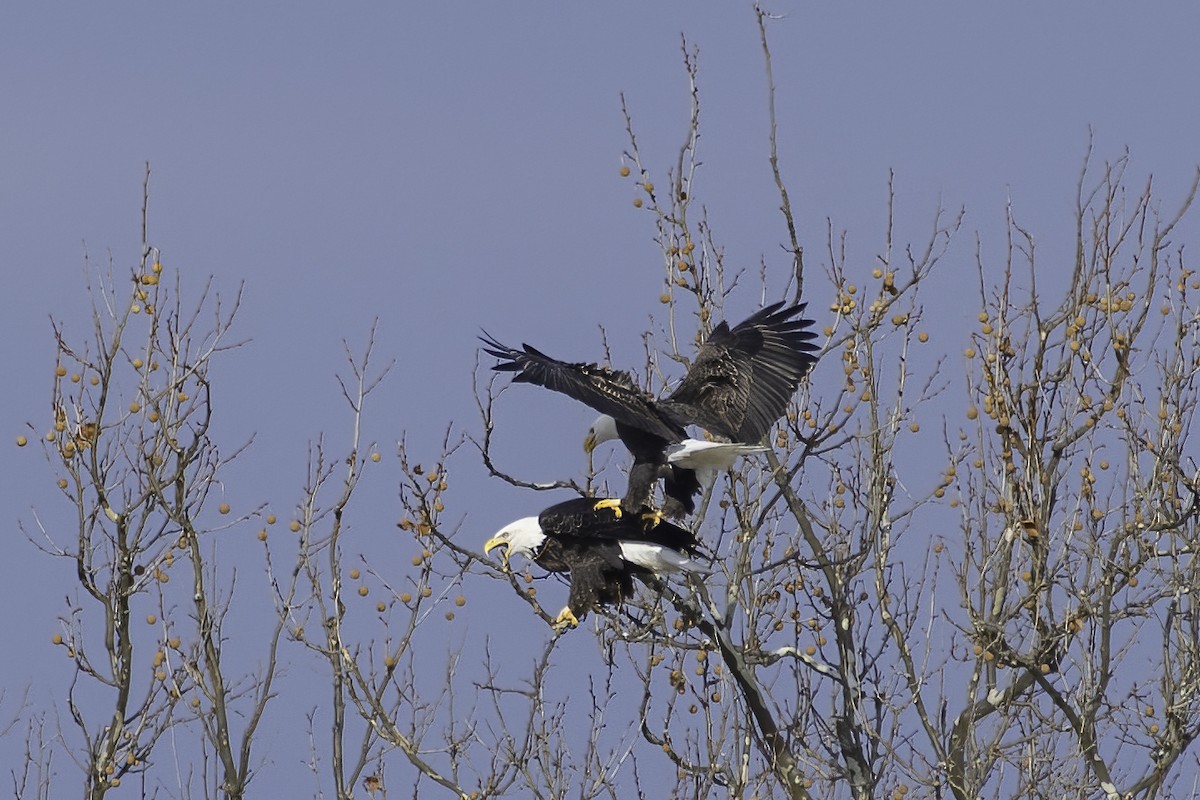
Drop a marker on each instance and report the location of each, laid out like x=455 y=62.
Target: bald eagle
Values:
x=736 y=388
x=601 y=548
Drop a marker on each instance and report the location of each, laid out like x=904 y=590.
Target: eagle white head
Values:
x=604 y=429
x=523 y=537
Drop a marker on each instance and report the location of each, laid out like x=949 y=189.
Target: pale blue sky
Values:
x=447 y=167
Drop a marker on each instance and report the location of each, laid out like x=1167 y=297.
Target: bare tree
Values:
x=989 y=595
x=1078 y=510
x=130 y=438
x=845 y=644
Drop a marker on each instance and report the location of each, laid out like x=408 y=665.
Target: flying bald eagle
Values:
x=600 y=547
x=736 y=388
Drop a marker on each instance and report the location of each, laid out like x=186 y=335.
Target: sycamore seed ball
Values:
x=151 y=619
x=135 y=407
x=354 y=573
x=75 y=377
x=22 y=441
x=94 y=380
x=405 y=597
x=416 y=561
x=426 y=592
x=460 y=601
x=60 y=372
x=270 y=519
x=262 y=535
x=375 y=457
x=223 y=508
x=294 y=525
x=62 y=483
x=624 y=171
x=362 y=591
x=56 y=638
x=380 y=607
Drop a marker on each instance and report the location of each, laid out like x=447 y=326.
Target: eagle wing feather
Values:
x=743 y=378
x=609 y=391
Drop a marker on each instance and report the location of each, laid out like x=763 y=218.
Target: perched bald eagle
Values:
x=736 y=388
x=601 y=548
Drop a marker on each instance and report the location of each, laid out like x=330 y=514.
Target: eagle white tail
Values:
x=697 y=454
x=657 y=558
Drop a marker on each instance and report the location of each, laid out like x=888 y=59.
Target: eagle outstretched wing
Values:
x=742 y=379
x=611 y=392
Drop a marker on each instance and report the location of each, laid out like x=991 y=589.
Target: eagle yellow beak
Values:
x=589 y=442
x=493 y=543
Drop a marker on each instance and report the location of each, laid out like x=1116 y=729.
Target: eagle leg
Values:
x=565 y=619
x=612 y=503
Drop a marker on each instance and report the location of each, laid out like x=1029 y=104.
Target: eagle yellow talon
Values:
x=652 y=519
x=565 y=619
x=612 y=503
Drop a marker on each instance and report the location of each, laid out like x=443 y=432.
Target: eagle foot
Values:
x=611 y=503
x=565 y=619
x=651 y=519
